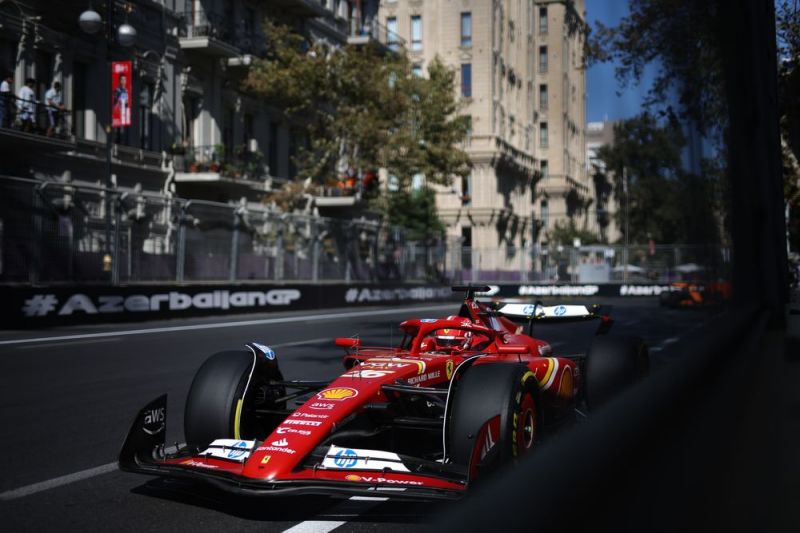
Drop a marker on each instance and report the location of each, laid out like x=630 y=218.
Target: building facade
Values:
x=521 y=79
x=606 y=205
x=193 y=132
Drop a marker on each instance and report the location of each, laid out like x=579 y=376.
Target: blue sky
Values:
x=603 y=102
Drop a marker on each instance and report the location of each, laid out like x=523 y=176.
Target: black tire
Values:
x=214 y=396
x=482 y=393
x=612 y=365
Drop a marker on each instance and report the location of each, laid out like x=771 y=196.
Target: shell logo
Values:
x=352 y=477
x=336 y=394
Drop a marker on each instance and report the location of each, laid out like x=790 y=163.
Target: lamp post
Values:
x=91 y=23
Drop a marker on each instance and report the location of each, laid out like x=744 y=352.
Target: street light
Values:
x=91 y=23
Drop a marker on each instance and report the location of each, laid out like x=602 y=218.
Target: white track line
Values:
x=57 y=482
x=63 y=480
x=343 y=509
x=213 y=325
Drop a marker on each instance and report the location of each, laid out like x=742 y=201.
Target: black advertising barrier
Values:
x=30 y=307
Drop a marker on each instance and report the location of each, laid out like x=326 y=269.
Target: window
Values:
x=416 y=69
x=542 y=20
x=545 y=168
x=543 y=140
x=391 y=33
x=466 y=190
x=466 y=80
x=466 y=29
x=543 y=97
x=542 y=59
x=545 y=210
x=416 y=32
x=145 y=116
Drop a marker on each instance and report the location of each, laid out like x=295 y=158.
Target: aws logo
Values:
x=154 y=420
x=337 y=394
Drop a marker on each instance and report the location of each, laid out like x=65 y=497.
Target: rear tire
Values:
x=612 y=365
x=504 y=393
x=214 y=397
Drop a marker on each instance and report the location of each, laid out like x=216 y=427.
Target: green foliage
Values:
x=665 y=203
x=362 y=108
x=565 y=232
x=680 y=37
x=416 y=211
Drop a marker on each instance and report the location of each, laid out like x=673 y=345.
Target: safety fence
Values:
x=53 y=232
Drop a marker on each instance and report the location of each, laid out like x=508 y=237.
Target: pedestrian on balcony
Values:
x=5 y=100
x=55 y=107
x=26 y=105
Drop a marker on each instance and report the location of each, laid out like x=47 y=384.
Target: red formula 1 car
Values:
x=457 y=399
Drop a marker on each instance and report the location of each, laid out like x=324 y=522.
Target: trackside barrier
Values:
x=47 y=306
x=24 y=306
x=673 y=453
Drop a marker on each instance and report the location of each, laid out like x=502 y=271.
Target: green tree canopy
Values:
x=665 y=202
x=362 y=108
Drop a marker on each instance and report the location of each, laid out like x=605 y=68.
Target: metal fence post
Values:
x=279 y=256
x=233 y=263
x=117 y=223
x=181 y=255
x=314 y=254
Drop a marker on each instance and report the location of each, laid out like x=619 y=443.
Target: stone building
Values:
x=521 y=79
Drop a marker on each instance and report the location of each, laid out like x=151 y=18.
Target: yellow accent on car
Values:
x=549 y=371
x=237 y=419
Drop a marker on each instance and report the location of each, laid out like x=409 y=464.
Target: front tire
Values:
x=495 y=417
x=215 y=396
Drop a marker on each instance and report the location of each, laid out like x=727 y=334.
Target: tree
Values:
x=565 y=233
x=666 y=203
x=363 y=109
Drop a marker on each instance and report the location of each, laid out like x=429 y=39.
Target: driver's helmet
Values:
x=450 y=339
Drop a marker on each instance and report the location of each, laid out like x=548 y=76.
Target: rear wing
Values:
x=536 y=312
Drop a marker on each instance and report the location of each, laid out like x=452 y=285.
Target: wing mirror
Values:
x=348 y=342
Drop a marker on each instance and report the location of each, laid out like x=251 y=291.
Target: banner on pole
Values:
x=121 y=97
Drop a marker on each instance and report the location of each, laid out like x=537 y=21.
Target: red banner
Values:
x=121 y=94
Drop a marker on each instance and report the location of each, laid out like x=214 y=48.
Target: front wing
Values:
x=144 y=452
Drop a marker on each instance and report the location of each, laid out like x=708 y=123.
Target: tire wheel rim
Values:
x=526 y=437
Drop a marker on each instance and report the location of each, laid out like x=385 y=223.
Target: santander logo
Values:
x=281 y=443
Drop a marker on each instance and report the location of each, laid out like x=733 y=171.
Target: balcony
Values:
x=204 y=164
x=300 y=8
x=375 y=32
x=208 y=33
x=35 y=122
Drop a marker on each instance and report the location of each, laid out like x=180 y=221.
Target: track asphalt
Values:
x=68 y=397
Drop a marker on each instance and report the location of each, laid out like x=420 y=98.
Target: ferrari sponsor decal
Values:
x=280 y=443
x=309 y=423
x=355 y=459
x=420 y=364
x=155 y=420
x=167 y=301
x=372 y=479
x=265 y=459
x=448 y=368
x=385 y=365
x=337 y=394
x=279 y=449
x=309 y=415
x=199 y=464
x=322 y=406
x=231 y=449
x=282 y=431
x=368 y=373
x=425 y=377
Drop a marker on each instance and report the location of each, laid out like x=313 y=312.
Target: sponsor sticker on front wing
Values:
x=355 y=459
x=230 y=449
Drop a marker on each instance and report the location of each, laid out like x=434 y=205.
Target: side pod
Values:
x=145 y=440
